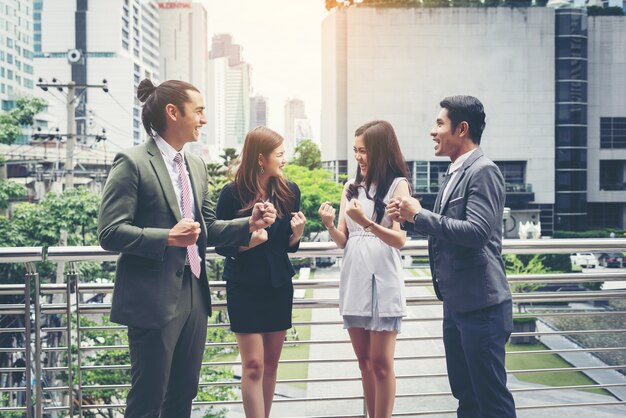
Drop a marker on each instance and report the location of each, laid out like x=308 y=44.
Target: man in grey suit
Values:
x=465 y=247
x=156 y=213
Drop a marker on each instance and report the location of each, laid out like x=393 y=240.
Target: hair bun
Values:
x=145 y=89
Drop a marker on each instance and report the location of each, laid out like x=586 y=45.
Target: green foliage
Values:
x=22 y=114
x=517 y=3
x=10 y=190
x=316 y=187
x=594 y=233
x=467 y=3
x=436 y=3
x=307 y=154
x=216 y=374
x=230 y=155
x=34 y=225
x=605 y=11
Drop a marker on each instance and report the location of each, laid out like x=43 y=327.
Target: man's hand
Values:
x=184 y=233
x=355 y=211
x=297 y=224
x=403 y=209
x=263 y=215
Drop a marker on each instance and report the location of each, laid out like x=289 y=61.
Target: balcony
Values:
x=48 y=315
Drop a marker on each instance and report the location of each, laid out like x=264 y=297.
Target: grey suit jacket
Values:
x=465 y=242
x=138 y=209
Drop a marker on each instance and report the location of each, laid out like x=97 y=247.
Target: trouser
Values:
x=474 y=343
x=165 y=362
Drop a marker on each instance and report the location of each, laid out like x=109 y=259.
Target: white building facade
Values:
x=529 y=68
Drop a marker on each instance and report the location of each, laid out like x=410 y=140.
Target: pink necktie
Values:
x=192 y=250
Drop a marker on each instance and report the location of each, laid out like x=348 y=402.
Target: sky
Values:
x=281 y=40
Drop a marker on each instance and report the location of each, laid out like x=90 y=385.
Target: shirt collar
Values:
x=459 y=161
x=168 y=151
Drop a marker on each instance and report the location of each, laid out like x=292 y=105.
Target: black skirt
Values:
x=256 y=309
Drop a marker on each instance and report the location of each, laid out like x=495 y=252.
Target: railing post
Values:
x=37 y=360
x=68 y=314
x=30 y=274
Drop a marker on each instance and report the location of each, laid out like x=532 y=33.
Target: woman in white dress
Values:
x=371 y=292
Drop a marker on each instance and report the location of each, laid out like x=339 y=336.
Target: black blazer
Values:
x=266 y=264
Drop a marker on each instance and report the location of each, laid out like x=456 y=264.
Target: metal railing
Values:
x=57 y=343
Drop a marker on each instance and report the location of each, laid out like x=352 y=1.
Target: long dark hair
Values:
x=384 y=163
x=155 y=98
x=261 y=140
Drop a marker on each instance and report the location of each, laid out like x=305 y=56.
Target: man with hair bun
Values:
x=156 y=213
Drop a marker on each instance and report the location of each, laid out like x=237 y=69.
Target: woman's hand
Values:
x=327 y=214
x=355 y=211
x=297 y=224
x=258 y=237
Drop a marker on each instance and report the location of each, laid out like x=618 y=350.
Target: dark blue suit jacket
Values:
x=266 y=264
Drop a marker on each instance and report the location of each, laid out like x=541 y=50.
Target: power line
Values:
x=119 y=104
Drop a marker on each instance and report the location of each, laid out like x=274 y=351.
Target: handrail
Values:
x=9 y=255
x=412 y=247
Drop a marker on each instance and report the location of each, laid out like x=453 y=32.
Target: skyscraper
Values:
x=228 y=102
x=16 y=52
x=297 y=126
x=89 y=41
x=258 y=111
x=184 y=51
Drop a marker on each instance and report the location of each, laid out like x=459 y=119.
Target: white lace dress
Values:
x=371 y=290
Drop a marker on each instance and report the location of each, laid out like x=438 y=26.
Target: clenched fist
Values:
x=184 y=233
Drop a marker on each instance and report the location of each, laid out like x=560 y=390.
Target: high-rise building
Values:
x=551 y=81
x=184 y=51
x=88 y=42
x=16 y=51
x=258 y=111
x=228 y=101
x=297 y=126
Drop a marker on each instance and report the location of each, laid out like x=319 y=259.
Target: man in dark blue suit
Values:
x=465 y=251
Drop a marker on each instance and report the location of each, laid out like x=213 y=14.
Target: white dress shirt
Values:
x=453 y=171
x=169 y=153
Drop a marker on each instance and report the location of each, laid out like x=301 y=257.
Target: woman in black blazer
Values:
x=259 y=290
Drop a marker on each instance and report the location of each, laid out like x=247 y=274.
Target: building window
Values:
x=428 y=175
x=573 y=180
x=613 y=132
x=572 y=91
x=514 y=172
x=612 y=174
x=568 y=136
x=605 y=215
x=571 y=158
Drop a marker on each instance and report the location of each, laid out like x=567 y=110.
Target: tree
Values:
x=307 y=154
x=22 y=114
x=10 y=190
x=229 y=156
x=316 y=187
x=74 y=211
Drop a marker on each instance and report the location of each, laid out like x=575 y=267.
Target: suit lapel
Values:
x=158 y=164
x=459 y=175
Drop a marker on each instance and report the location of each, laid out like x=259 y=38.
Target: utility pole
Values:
x=71 y=135
x=70 y=102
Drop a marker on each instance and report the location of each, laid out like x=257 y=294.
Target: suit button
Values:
x=179 y=273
